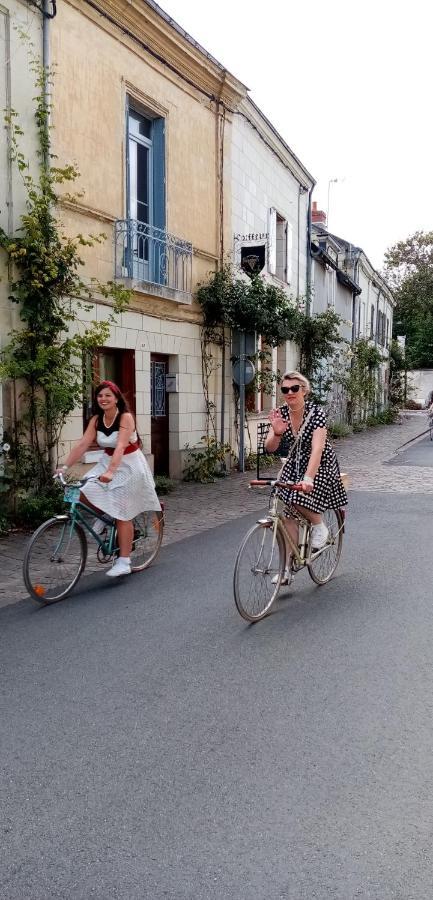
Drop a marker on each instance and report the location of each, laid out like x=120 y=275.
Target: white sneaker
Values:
x=121 y=567
x=99 y=526
x=286 y=579
x=319 y=536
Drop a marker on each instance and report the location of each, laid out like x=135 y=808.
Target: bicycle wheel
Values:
x=322 y=568
x=260 y=559
x=148 y=532
x=54 y=560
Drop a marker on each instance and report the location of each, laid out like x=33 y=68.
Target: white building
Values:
x=271 y=192
x=344 y=279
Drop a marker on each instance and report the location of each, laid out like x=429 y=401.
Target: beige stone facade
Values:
x=16 y=92
x=175 y=161
x=129 y=56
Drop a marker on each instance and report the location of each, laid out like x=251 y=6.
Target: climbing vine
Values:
x=44 y=356
x=231 y=300
x=361 y=382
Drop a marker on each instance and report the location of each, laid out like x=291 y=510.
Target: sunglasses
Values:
x=291 y=390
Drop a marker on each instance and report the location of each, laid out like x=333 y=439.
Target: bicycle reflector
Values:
x=39 y=589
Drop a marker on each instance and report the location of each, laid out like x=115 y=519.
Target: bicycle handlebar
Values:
x=272 y=482
x=59 y=476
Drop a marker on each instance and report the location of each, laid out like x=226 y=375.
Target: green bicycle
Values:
x=56 y=555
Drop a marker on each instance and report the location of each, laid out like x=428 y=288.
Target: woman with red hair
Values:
x=125 y=486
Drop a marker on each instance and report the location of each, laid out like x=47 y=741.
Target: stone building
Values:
x=271 y=196
x=344 y=279
x=16 y=92
x=180 y=170
x=145 y=112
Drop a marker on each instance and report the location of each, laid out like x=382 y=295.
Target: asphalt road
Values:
x=154 y=745
x=417 y=454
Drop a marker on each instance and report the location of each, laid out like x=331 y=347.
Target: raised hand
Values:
x=278 y=423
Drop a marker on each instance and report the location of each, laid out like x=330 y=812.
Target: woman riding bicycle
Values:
x=311 y=461
x=125 y=486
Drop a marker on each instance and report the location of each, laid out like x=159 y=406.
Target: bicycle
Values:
x=261 y=559
x=56 y=555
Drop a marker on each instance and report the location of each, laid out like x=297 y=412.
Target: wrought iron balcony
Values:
x=150 y=255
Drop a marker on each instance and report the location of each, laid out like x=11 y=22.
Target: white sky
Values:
x=349 y=87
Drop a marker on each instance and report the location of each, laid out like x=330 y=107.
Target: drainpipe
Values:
x=46 y=40
x=308 y=285
x=355 y=272
x=46 y=55
x=299 y=237
x=46 y=59
x=219 y=135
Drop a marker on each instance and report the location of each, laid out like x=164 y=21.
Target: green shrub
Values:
x=32 y=511
x=339 y=430
x=372 y=421
x=164 y=485
x=267 y=460
x=412 y=404
x=4 y=526
x=388 y=416
x=206 y=463
x=359 y=426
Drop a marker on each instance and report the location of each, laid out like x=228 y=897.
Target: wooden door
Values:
x=112 y=365
x=159 y=413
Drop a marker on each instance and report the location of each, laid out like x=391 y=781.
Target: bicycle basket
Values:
x=72 y=494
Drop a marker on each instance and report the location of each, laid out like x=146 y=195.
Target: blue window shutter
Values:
x=160 y=252
x=158 y=145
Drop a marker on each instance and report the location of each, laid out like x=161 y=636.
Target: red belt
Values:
x=129 y=449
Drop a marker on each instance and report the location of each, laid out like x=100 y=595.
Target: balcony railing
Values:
x=151 y=255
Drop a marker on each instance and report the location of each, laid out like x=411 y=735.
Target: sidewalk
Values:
x=196 y=507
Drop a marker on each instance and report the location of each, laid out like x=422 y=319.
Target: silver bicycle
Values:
x=261 y=560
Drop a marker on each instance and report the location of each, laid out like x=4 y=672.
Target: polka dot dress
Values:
x=328 y=491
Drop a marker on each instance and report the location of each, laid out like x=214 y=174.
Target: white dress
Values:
x=132 y=489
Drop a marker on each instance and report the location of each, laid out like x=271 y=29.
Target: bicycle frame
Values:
x=301 y=553
x=74 y=516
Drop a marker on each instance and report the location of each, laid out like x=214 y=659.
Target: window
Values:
x=280 y=246
x=330 y=287
x=146 y=195
x=379 y=326
x=372 y=322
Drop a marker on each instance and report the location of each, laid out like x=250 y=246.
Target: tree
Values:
x=43 y=357
x=409 y=271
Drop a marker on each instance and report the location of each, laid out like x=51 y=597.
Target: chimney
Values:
x=318 y=216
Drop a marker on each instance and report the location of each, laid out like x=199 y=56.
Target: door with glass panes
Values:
x=140 y=194
x=146 y=244
x=159 y=413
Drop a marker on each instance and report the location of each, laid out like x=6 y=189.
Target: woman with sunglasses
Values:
x=125 y=487
x=311 y=461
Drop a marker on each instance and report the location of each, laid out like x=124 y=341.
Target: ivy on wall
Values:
x=44 y=356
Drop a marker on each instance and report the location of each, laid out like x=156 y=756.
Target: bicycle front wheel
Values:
x=148 y=533
x=54 y=560
x=258 y=571
x=322 y=568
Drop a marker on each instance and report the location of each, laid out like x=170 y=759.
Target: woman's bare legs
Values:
x=314 y=518
x=125 y=533
x=292 y=527
x=125 y=530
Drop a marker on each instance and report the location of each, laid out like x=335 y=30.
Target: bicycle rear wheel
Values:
x=322 y=568
x=148 y=533
x=54 y=560
x=260 y=559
